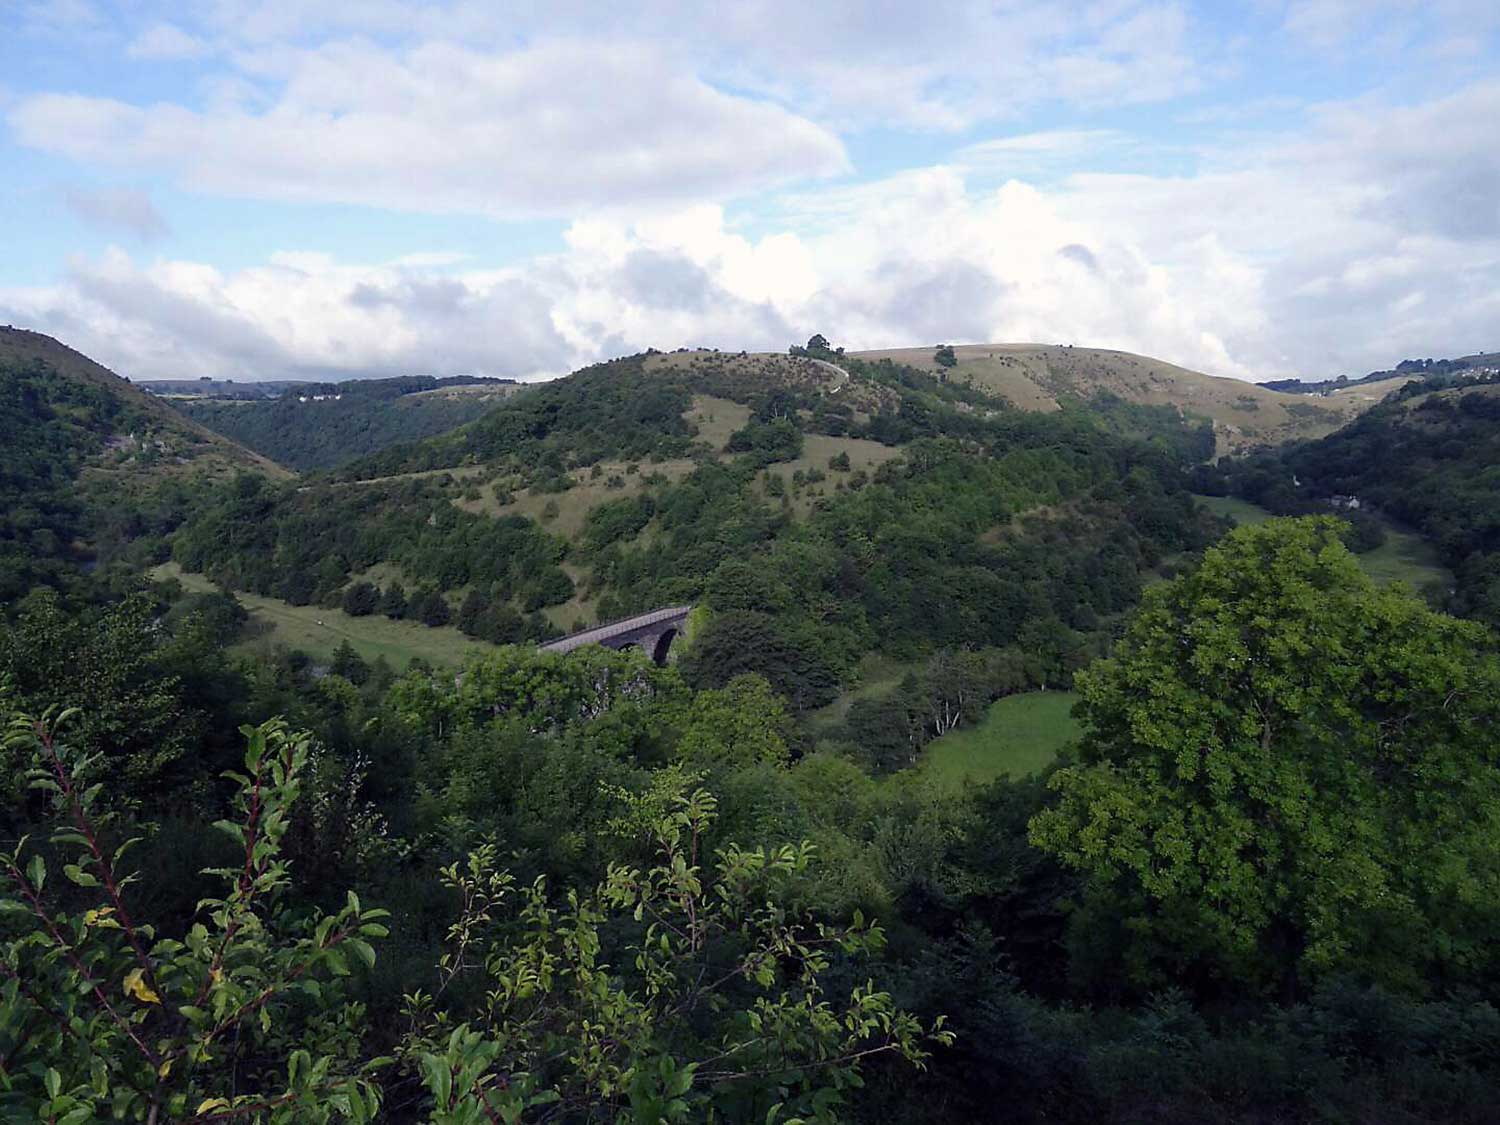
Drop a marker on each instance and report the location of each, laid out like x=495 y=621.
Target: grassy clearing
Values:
x=1404 y=557
x=816 y=450
x=1018 y=736
x=1241 y=511
x=318 y=632
x=716 y=418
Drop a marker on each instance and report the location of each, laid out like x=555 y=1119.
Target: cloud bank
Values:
x=705 y=166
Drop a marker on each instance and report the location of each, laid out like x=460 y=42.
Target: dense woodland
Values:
x=253 y=886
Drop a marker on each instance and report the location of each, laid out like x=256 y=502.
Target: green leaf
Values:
x=36 y=870
x=363 y=950
x=79 y=876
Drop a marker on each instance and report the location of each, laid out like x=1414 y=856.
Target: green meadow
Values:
x=1018 y=736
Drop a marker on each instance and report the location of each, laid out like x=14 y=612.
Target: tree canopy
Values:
x=1289 y=772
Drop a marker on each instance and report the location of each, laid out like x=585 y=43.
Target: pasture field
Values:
x=1405 y=557
x=716 y=418
x=1019 y=735
x=1241 y=511
x=318 y=631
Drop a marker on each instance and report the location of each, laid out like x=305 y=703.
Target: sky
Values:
x=271 y=189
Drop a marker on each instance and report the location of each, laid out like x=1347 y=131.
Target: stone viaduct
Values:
x=652 y=633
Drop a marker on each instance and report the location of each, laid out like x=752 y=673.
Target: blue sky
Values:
x=266 y=188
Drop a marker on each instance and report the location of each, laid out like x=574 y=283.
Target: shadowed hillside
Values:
x=321 y=425
x=183 y=444
x=81 y=447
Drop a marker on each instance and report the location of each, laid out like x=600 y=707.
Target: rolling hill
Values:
x=1041 y=376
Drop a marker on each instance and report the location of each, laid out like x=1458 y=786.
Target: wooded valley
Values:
x=995 y=775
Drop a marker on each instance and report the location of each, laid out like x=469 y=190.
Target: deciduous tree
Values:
x=1288 y=771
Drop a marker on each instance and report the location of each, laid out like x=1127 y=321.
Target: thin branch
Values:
x=106 y=868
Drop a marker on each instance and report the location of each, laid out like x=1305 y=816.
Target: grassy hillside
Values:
x=823 y=513
x=742 y=376
x=1040 y=376
x=317 y=631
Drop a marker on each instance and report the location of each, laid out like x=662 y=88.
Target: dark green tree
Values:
x=473 y=613
x=348 y=663
x=393 y=601
x=431 y=608
x=361 y=599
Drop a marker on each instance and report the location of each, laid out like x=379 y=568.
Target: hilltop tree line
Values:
x=1430 y=374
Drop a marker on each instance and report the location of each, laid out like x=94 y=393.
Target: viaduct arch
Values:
x=652 y=633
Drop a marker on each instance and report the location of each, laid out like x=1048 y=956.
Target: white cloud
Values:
x=1375 y=237
x=1389 y=27
x=946 y=64
x=1372 y=234
x=1030 y=155
x=552 y=129
x=298 y=314
x=1002 y=265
